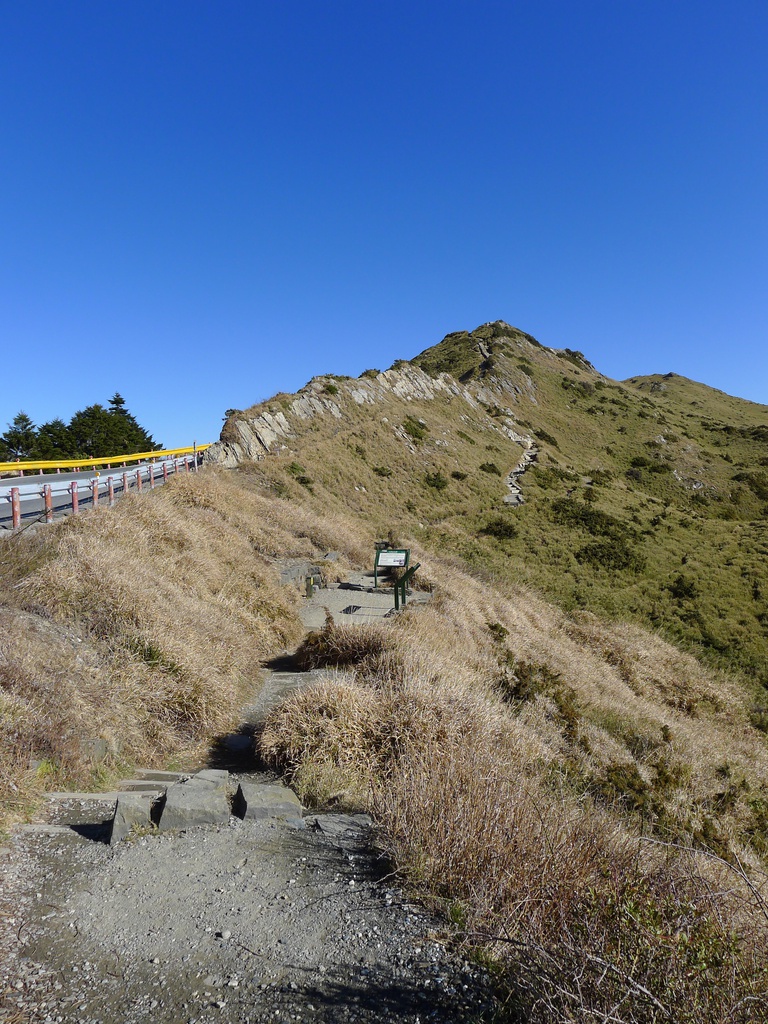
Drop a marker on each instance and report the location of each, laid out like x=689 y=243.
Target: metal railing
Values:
x=56 y=465
x=65 y=497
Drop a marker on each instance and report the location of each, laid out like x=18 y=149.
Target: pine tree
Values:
x=53 y=441
x=18 y=441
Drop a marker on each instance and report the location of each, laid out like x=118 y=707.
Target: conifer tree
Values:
x=18 y=441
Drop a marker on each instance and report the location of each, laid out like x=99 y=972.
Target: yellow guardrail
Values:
x=117 y=460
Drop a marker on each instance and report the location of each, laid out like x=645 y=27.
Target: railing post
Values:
x=15 y=508
x=151 y=477
x=165 y=472
x=110 y=491
x=194 y=456
x=75 y=497
x=186 y=464
x=48 y=501
x=95 y=491
x=138 y=481
x=125 y=483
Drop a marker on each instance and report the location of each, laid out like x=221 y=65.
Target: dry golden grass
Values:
x=145 y=627
x=512 y=813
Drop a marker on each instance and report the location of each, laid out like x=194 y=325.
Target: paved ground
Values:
x=355 y=600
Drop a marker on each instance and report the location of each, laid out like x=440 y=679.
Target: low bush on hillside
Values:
x=548 y=438
x=340 y=646
x=415 y=428
x=436 y=480
x=611 y=555
x=490 y=467
x=501 y=528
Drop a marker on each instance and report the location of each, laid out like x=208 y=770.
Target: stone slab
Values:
x=134 y=810
x=150 y=775
x=343 y=828
x=141 y=786
x=83 y=798
x=195 y=802
x=217 y=777
x=45 y=829
x=257 y=801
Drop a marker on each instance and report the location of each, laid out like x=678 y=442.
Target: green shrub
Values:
x=458 y=475
x=683 y=588
x=614 y=553
x=490 y=467
x=568 y=512
x=436 y=480
x=415 y=428
x=544 y=436
x=500 y=528
x=331 y=389
x=465 y=437
x=382 y=471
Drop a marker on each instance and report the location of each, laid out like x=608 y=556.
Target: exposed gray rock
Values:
x=255 y=800
x=83 y=798
x=142 y=786
x=150 y=775
x=201 y=800
x=134 y=810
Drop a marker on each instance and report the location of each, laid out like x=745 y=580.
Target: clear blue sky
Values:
x=204 y=203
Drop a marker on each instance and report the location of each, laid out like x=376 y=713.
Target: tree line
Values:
x=93 y=432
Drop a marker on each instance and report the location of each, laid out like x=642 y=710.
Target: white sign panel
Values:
x=392 y=558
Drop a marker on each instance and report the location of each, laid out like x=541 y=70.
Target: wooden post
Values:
x=151 y=477
x=15 y=508
x=138 y=481
x=95 y=491
x=125 y=483
x=110 y=491
x=165 y=472
x=48 y=501
x=75 y=497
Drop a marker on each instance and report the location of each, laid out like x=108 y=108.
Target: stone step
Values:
x=151 y=775
x=142 y=786
x=255 y=801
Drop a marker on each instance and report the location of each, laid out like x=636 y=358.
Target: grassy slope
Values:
x=137 y=632
x=648 y=502
x=519 y=755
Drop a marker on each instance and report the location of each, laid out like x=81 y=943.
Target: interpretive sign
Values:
x=390 y=558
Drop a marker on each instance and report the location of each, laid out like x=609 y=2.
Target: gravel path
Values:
x=243 y=923
x=250 y=922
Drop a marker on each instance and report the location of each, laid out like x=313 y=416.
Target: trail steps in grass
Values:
x=269 y=913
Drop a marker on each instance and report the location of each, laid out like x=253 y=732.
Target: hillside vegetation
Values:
x=586 y=801
x=648 y=501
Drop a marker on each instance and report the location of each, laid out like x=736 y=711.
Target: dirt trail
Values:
x=247 y=922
